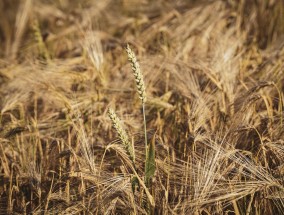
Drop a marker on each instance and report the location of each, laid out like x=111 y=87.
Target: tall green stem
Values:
x=145 y=133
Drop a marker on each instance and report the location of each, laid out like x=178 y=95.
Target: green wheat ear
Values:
x=137 y=74
x=121 y=133
x=41 y=45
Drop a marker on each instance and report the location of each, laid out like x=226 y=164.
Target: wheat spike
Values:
x=121 y=133
x=137 y=74
x=41 y=45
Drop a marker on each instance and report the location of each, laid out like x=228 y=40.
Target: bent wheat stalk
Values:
x=125 y=141
x=122 y=134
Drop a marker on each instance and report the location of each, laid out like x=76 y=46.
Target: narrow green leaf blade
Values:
x=150 y=162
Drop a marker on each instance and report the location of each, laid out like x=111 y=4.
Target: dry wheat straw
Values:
x=121 y=133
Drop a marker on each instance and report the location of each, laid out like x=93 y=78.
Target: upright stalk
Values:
x=145 y=133
x=150 y=166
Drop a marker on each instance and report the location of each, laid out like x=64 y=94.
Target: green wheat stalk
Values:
x=150 y=153
x=140 y=85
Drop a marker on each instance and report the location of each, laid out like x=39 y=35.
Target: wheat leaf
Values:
x=150 y=162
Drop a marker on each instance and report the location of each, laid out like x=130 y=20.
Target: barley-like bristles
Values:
x=121 y=133
x=137 y=74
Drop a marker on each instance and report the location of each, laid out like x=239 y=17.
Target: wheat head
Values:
x=137 y=74
x=121 y=133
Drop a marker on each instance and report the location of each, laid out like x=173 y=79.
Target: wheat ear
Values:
x=137 y=74
x=41 y=45
x=121 y=133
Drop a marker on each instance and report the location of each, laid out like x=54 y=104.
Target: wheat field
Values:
x=142 y=107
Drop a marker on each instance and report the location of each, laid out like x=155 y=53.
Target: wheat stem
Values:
x=140 y=89
x=145 y=130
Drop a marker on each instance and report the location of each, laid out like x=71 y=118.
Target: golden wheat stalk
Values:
x=121 y=133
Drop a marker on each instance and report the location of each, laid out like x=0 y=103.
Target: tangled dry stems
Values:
x=214 y=107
